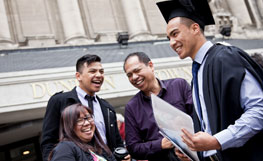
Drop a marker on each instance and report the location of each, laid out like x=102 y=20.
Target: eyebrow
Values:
x=174 y=30
x=128 y=73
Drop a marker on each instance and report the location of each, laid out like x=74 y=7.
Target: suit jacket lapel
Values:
x=73 y=96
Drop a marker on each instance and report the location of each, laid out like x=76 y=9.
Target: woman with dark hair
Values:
x=79 y=137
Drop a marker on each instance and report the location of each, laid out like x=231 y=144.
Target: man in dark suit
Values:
x=90 y=74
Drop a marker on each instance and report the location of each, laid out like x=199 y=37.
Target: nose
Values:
x=98 y=74
x=86 y=122
x=134 y=76
x=172 y=42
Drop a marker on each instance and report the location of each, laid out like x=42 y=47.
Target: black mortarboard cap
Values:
x=196 y=10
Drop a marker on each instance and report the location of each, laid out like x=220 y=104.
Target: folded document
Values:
x=170 y=121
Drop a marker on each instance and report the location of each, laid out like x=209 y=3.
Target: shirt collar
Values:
x=200 y=56
x=82 y=93
x=163 y=88
x=162 y=91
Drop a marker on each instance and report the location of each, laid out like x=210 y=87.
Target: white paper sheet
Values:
x=170 y=121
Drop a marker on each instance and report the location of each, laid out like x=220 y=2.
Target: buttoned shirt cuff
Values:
x=224 y=138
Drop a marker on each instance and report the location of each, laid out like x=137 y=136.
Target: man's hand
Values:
x=180 y=155
x=127 y=158
x=200 y=141
x=167 y=144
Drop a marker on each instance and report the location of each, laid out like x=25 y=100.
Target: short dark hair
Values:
x=258 y=58
x=88 y=58
x=144 y=58
x=68 y=122
x=188 y=22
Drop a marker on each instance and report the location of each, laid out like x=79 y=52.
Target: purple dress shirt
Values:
x=142 y=133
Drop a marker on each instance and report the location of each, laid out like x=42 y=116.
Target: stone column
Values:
x=256 y=13
x=260 y=7
x=74 y=32
x=240 y=12
x=135 y=19
x=5 y=36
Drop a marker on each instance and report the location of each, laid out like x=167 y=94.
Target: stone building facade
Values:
x=35 y=29
x=42 y=23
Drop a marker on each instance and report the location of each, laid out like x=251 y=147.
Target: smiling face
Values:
x=182 y=34
x=85 y=127
x=91 y=77
x=140 y=75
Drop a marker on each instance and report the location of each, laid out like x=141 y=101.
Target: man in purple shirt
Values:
x=142 y=133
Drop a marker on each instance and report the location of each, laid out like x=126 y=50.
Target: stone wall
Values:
x=42 y=23
x=30 y=90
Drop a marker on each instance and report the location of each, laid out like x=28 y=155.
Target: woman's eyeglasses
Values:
x=82 y=120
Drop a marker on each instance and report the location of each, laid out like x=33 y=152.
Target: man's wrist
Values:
x=216 y=144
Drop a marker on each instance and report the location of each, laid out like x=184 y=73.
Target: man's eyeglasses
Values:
x=82 y=120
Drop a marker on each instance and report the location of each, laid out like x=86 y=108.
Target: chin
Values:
x=87 y=140
x=134 y=85
x=182 y=56
x=140 y=88
x=96 y=90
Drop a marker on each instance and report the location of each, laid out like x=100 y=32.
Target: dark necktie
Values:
x=195 y=68
x=90 y=101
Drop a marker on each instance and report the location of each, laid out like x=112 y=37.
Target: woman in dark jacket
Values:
x=79 y=137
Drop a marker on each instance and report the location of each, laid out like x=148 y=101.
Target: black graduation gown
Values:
x=223 y=73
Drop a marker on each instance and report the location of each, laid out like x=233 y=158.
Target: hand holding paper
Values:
x=181 y=156
x=167 y=144
x=200 y=141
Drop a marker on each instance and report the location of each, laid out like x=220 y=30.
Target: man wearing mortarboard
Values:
x=227 y=87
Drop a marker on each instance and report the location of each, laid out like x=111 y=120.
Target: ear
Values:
x=78 y=76
x=195 y=28
x=150 y=64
